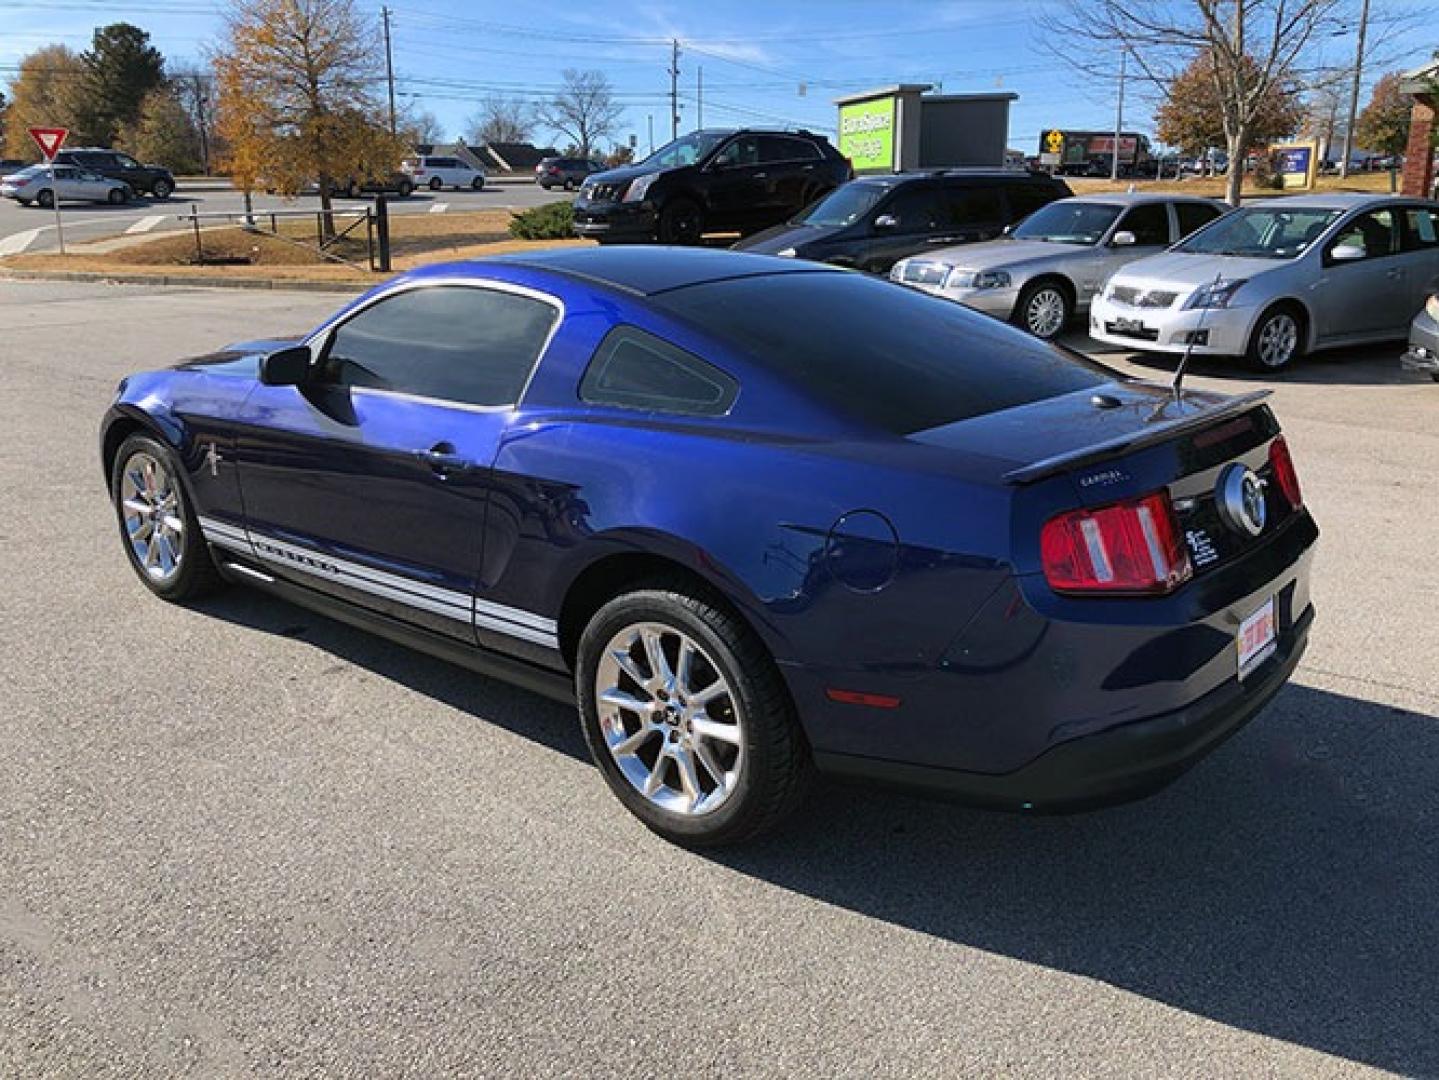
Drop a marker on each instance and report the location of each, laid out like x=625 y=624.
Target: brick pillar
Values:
x=1419 y=157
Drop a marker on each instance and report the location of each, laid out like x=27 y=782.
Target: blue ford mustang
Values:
x=755 y=517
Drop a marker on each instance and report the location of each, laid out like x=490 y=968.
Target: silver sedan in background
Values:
x=1054 y=262
x=43 y=184
x=1278 y=278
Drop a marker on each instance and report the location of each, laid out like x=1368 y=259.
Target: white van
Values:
x=435 y=172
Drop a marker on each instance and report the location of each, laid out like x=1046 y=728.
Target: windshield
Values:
x=1262 y=233
x=843 y=206
x=1067 y=222
x=684 y=151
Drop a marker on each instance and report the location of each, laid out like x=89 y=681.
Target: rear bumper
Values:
x=1113 y=766
x=1423 y=353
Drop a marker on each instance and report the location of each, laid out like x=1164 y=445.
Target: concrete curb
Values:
x=175 y=280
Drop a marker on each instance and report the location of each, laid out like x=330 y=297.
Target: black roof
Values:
x=648 y=270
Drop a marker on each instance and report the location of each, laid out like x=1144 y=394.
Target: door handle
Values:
x=442 y=459
x=761 y=176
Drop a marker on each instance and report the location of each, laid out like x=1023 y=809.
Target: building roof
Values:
x=884 y=91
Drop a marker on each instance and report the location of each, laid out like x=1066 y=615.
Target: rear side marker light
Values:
x=857 y=697
x=1130 y=547
x=1282 y=464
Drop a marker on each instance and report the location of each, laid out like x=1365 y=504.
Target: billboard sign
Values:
x=866 y=134
x=1296 y=163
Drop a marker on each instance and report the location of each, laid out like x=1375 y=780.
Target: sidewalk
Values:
x=223 y=183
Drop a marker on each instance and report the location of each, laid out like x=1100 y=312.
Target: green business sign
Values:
x=866 y=134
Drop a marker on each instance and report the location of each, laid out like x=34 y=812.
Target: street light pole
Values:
x=1354 y=89
x=1119 y=115
x=674 y=89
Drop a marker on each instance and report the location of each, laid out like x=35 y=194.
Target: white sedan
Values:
x=43 y=184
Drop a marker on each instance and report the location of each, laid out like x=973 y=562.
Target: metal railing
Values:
x=376 y=222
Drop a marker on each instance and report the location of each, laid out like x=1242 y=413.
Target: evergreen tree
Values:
x=121 y=67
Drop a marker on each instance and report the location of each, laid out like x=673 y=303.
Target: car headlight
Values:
x=639 y=187
x=1217 y=294
x=1432 y=306
x=977 y=279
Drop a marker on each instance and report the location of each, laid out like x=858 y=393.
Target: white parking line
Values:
x=17 y=242
x=145 y=224
x=439 y=207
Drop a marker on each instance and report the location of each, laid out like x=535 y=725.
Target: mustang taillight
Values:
x=1126 y=547
x=1282 y=464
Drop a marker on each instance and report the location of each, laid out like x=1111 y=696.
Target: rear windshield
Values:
x=882 y=354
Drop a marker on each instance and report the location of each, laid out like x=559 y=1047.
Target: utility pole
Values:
x=700 y=96
x=1119 y=115
x=651 y=118
x=674 y=88
x=1354 y=89
x=389 y=65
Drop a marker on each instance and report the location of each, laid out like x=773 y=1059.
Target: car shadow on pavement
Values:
x=529 y=715
x=1288 y=885
x=1368 y=365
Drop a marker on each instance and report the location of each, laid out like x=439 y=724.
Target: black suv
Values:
x=153 y=180
x=566 y=172
x=873 y=222
x=710 y=181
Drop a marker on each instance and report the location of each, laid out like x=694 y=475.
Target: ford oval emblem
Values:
x=1240 y=497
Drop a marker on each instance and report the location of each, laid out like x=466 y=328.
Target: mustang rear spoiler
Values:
x=1155 y=431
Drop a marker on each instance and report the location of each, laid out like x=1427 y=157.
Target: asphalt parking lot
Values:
x=32 y=229
x=242 y=839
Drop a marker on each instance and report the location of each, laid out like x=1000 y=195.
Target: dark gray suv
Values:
x=153 y=180
x=566 y=172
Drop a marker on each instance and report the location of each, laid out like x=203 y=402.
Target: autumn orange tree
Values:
x=46 y=92
x=1192 y=115
x=297 y=87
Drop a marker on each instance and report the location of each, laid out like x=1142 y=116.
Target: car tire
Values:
x=162 y=189
x=147 y=474
x=117 y=197
x=681 y=222
x=1277 y=340
x=404 y=189
x=477 y=184
x=46 y=199
x=436 y=183
x=1044 y=309
x=569 y=185
x=751 y=765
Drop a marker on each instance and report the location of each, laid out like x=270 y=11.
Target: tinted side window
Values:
x=1192 y=215
x=1374 y=232
x=1421 y=228
x=471 y=345
x=974 y=205
x=783 y=148
x=916 y=209
x=1025 y=199
x=741 y=151
x=1149 y=224
x=636 y=370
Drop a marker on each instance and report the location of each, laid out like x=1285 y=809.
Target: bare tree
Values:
x=195 y=88
x=420 y=127
x=1252 y=44
x=502 y=120
x=584 y=110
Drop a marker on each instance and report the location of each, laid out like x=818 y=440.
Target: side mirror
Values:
x=1347 y=253
x=286 y=367
x=1124 y=238
x=886 y=221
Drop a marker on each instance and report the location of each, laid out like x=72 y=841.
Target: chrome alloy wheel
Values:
x=1044 y=315
x=150 y=509
x=1278 y=339
x=669 y=718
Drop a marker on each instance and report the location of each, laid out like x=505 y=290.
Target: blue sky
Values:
x=763 y=61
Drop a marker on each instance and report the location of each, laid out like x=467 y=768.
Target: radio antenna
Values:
x=1178 y=385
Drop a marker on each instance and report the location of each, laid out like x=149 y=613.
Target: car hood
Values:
x=623 y=174
x=1004 y=254
x=774 y=240
x=1183 y=272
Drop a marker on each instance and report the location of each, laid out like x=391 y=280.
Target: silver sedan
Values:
x=1278 y=278
x=1055 y=262
x=43 y=184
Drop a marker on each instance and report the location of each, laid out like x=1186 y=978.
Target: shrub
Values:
x=553 y=221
